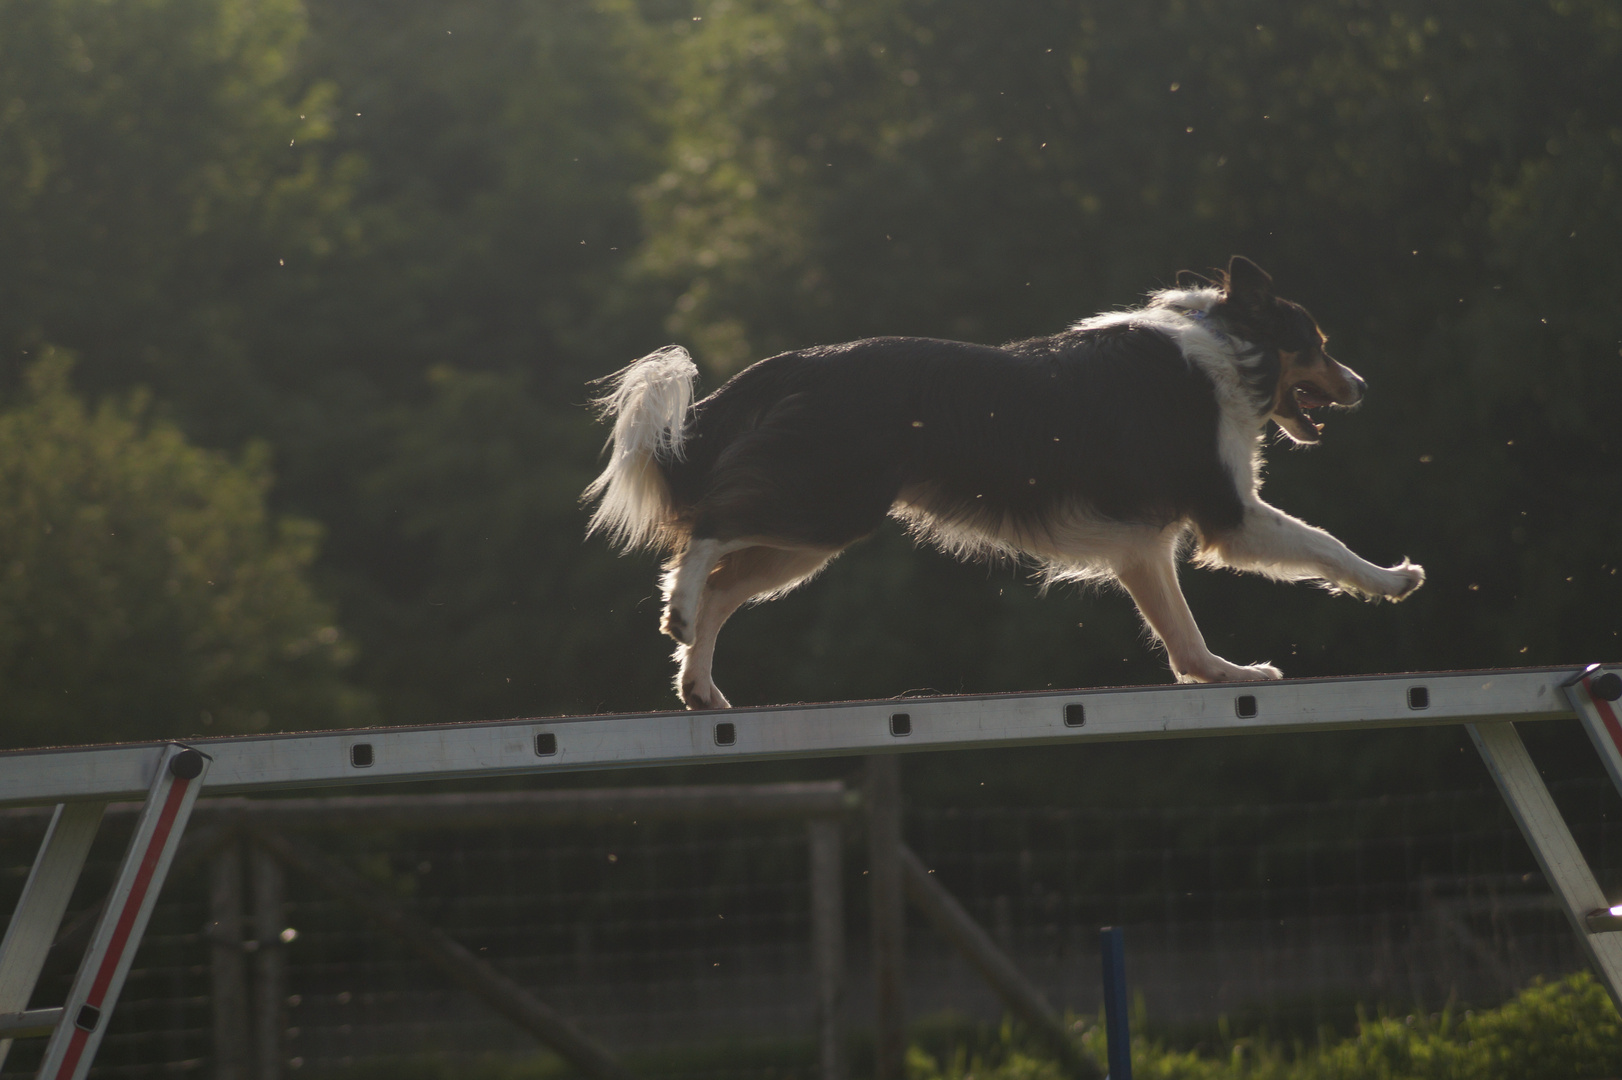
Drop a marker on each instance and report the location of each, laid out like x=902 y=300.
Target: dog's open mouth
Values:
x=1305 y=397
x=1308 y=396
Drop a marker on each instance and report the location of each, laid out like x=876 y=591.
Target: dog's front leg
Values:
x=1152 y=581
x=1273 y=543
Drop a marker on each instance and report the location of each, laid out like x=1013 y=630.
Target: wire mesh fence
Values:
x=668 y=933
x=1280 y=913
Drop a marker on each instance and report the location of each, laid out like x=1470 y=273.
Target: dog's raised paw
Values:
x=1410 y=576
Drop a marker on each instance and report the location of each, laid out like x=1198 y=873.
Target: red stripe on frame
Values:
x=126 y=923
x=70 y=1060
x=1607 y=715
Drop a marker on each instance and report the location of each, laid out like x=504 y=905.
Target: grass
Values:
x=1565 y=1030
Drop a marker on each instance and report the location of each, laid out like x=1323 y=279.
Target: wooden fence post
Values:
x=228 y=965
x=828 y=943
x=883 y=801
x=269 y=965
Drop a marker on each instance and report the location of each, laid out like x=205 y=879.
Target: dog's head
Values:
x=1307 y=377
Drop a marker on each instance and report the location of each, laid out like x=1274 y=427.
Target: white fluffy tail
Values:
x=648 y=401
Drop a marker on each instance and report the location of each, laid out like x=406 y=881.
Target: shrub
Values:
x=1565 y=1030
x=145 y=590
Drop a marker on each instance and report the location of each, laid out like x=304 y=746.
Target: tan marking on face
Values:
x=1287 y=363
x=1319 y=370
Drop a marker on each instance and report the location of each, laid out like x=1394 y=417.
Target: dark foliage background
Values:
x=392 y=241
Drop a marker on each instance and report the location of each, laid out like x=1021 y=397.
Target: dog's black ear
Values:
x=1249 y=286
x=1188 y=279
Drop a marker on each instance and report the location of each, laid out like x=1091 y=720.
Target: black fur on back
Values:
x=815 y=446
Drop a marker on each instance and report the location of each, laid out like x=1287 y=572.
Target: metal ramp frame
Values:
x=169 y=776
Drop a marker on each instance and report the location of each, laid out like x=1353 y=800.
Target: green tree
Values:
x=160 y=193
x=435 y=422
x=1427 y=177
x=488 y=599
x=282 y=216
x=145 y=592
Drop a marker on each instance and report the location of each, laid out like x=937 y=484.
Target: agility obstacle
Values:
x=81 y=781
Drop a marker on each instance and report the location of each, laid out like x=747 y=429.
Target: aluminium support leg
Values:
x=1558 y=856
x=43 y=902
x=177 y=778
x=1593 y=694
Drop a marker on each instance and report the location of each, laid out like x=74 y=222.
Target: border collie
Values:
x=1100 y=453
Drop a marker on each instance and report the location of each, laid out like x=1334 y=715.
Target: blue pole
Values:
x=1117 y=1029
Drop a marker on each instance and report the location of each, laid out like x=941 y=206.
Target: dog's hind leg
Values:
x=753 y=572
x=1151 y=578
x=684 y=583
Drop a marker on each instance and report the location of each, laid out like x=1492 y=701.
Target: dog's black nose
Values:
x=1354 y=383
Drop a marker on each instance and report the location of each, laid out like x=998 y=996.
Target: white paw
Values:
x=1217 y=669
x=1406 y=577
x=1392 y=583
x=703 y=694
